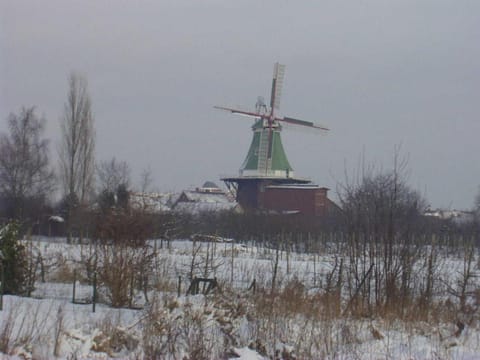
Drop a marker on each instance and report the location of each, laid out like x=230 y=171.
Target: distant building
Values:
x=207 y=198
x=153 y=202
x=458 y=216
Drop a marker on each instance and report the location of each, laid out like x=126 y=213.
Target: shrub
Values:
x=124 y=256
x=14 y=260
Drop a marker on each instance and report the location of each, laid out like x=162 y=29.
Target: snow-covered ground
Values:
x=230 y=324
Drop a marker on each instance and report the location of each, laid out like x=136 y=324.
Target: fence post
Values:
x=253 y=285
x=74 y=284
x=130 y=300
x=179 y=288
x=94 y=291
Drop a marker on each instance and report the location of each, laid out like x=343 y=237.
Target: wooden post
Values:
x=42 y=268
x=130 y=300
x=275 y=268
x=231 y=268
x=155 y=254
x=287 y=245
x=74 y=284
x=94 y=291
x=253 y=285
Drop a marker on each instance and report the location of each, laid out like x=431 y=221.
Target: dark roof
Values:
x=210 y=184
x=298 y=186
x=273 y=179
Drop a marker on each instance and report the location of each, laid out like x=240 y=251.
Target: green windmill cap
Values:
x=253 y=161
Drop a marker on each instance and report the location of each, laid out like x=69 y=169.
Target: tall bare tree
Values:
x=146 y=180
x=25 y=173
x=77 y=147
x=383 y=216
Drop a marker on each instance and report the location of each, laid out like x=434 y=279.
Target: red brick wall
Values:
x=306 y=201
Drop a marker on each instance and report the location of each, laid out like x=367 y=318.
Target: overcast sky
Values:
x=377 y=73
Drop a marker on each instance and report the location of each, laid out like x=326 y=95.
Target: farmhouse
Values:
x=207 y=198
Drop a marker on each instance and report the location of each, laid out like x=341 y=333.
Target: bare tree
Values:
x=111 y=174
x=25 y=173
x=113 y=184
x=77 y=146
x=382 y=216
x=146 y=180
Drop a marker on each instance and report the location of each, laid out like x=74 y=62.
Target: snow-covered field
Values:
x=230 y=323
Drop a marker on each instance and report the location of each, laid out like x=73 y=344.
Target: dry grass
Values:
x=63 y=272
x=25 y=329
x=321 y=321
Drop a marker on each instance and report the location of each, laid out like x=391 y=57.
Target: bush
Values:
x=124 y=256
x=14 y=260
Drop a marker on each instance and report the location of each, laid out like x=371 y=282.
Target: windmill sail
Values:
x=310 y=124
x=277 y=84
x=240 y=112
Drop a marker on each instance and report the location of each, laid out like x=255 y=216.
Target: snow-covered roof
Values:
x=203 y=200
x=200 y=207
x=456 y=215
x=154 y=202
x=204 y=197
x=297 y=187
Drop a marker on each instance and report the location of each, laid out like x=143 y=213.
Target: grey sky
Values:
x=378 y=73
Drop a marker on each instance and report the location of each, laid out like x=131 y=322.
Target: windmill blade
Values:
x=240 y=112
x=294 y=121
x=277 y=84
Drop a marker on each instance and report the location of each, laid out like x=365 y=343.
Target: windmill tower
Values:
x=266 y=163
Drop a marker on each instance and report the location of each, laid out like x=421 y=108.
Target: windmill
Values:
x=266 y=156
x=266 y=182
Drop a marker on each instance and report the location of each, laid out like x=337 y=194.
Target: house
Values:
x=207 y=198
x=153 y=202
x=457 y=216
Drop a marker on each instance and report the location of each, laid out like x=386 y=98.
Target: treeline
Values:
x=59 y=197
x=375 y=207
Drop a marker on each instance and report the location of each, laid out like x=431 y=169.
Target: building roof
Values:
x=196 y=208
x=205 y=197
x=210 y=185
x=301 y=186
x=273 y=179
x=153 y=202
x=203 y=200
